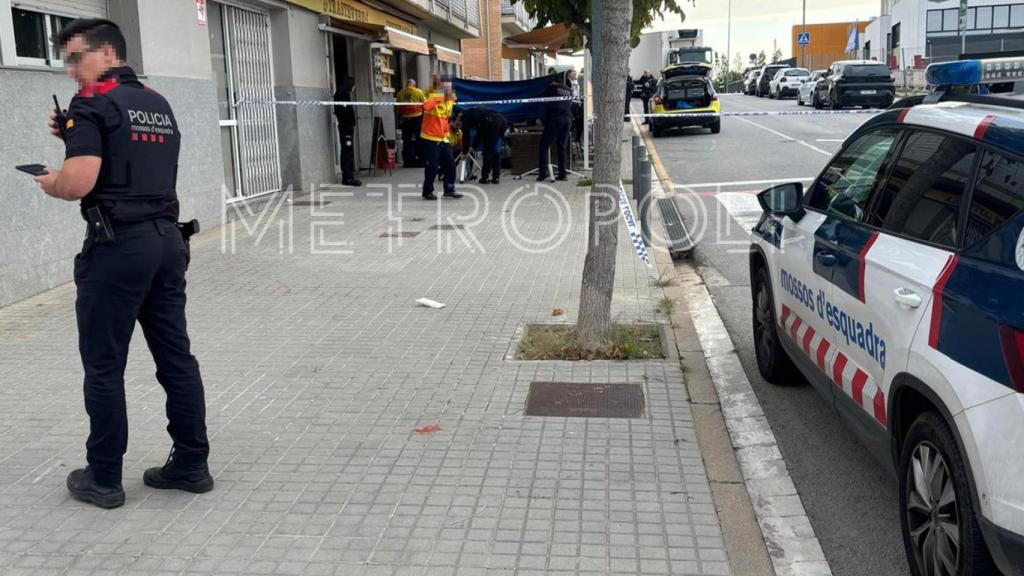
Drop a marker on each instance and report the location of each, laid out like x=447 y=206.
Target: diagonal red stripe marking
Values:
x=940 y=286
x=864 y=264
x=796 y=328
x=880 y=408
x=837 y=369
x=979 y=132
x=808 y=336
x=823 y=347
x=860 y=378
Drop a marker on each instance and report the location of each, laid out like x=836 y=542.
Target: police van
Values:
x=895 y=284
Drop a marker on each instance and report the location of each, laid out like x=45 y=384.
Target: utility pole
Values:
x=728 y=46
x=803 y=49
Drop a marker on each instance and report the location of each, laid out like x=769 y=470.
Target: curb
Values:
x=786 y=530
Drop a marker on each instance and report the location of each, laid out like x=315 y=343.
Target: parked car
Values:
x=893 y=285
x=764 y=80
x=787 y=82
x=750 y=81
x=855 y=83
x=806 y=91
x=684 y=91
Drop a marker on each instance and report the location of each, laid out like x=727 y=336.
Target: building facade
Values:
x=214 y=61
x=486 y=57
x=915 y=33
x=828 y=43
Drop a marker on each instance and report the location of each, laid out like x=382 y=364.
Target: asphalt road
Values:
x=850 y=499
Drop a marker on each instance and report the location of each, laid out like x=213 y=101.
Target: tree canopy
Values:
x=576 y=14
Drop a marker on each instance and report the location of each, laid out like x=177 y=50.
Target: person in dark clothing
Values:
x=648 y=84
x=346 y=131
x=491 y=129
x=470 y=119
x=629 y=96
x=557 y=119
x=122 y=145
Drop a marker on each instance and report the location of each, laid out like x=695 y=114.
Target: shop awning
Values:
x=549 y=40
x=406 y=41
x=448 y=55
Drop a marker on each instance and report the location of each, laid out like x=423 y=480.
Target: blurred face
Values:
x=86 y=64
x=447 y=89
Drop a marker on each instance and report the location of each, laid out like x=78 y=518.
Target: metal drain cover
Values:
x=399 y=235
x=584 y=400
x=447 y=227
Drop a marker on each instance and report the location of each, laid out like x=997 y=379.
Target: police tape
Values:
x=754 y=113
x=365 y=103
x=635 y=235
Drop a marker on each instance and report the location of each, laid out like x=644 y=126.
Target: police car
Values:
x=895 y=284
x=685 y=97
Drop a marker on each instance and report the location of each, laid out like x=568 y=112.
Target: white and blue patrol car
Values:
x=895 y=284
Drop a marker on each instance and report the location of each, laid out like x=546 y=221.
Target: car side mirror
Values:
x=783 y=200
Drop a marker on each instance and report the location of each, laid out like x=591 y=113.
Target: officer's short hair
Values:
x=96 y=32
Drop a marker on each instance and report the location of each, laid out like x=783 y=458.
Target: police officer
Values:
x=557 y=119
x=492 y=127
x=122 y=144
x=347 y=131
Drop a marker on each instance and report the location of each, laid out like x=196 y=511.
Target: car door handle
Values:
x=907 y=299
x=826 y=258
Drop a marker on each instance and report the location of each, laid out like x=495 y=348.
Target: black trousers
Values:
x=410 y=140
x=437 y=155
x=492 y=156
x=140 y=276
x=555 y=130
x=646 y=100
x=348 y=152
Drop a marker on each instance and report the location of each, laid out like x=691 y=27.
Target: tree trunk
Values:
x=611 y=39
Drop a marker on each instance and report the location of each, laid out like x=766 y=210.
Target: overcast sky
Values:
x=757 y=23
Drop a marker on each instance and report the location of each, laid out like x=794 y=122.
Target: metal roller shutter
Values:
x=72 y=8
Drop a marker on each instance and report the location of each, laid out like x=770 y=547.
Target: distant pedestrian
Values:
x=648 y=85
x=346 y=131
x=411 y=121
x=629 y=96
x=557 y=120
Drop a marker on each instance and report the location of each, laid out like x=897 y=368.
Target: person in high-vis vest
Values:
x=411 y=120
x=435 y=142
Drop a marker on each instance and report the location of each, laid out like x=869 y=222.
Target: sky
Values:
x=757 y=23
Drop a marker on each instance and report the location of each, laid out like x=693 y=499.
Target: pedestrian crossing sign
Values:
x=803 y=39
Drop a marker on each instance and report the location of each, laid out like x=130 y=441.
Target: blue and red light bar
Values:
x=974 y=72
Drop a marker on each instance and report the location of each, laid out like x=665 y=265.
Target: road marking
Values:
x=744 y=182
x=743 y=207
x=829 y=140
x=777 y=133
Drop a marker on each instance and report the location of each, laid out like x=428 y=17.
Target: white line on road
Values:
x=777 y=133
x=743 y=182
x=829 y=140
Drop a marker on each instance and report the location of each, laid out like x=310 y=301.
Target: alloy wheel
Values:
x=932 y=515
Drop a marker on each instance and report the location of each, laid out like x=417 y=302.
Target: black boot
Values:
x=174 y=475
x=83 y=486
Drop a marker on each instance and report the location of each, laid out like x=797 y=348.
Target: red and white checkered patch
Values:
x=853 y=381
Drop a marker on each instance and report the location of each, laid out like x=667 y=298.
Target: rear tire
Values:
x=936 y=501
x=799 y=100
x=816 y=101
x=773 y=362
x=834 y=104
x=716 y=127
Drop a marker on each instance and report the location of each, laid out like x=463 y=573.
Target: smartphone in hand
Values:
x=33 y=169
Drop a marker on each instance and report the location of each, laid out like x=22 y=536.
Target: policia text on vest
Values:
x=122 y=144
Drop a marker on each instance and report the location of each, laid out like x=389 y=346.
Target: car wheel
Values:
x=799 y=99
x=833 y=104
x=815 y=101
x=772 y=360
x=655 y=129
x=940 y=527
x=716 y=127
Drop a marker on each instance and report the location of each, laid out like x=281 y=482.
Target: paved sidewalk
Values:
x=319 y=370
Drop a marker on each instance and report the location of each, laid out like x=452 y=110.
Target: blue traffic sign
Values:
x=803 y=39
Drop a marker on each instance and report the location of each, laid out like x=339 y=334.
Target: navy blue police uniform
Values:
x=132 y=267
x=557 y=119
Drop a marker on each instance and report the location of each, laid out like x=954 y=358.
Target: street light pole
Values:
x=728 y=46
x=803 y=49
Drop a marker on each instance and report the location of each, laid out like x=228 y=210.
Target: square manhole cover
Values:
x=584 y=400
x=447 y=227
x=399 y=235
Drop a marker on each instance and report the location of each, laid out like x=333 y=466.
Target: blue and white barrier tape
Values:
x=755 y=113
x=631 y=226
x=336 y=103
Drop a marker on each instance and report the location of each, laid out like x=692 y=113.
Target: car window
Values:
x=923 y=194
x=998 y=195
x=867 y=70
x=845 y=184
x=797 y=73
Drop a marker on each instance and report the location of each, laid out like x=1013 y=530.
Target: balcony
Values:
x=515 y=19
x=458 y=18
